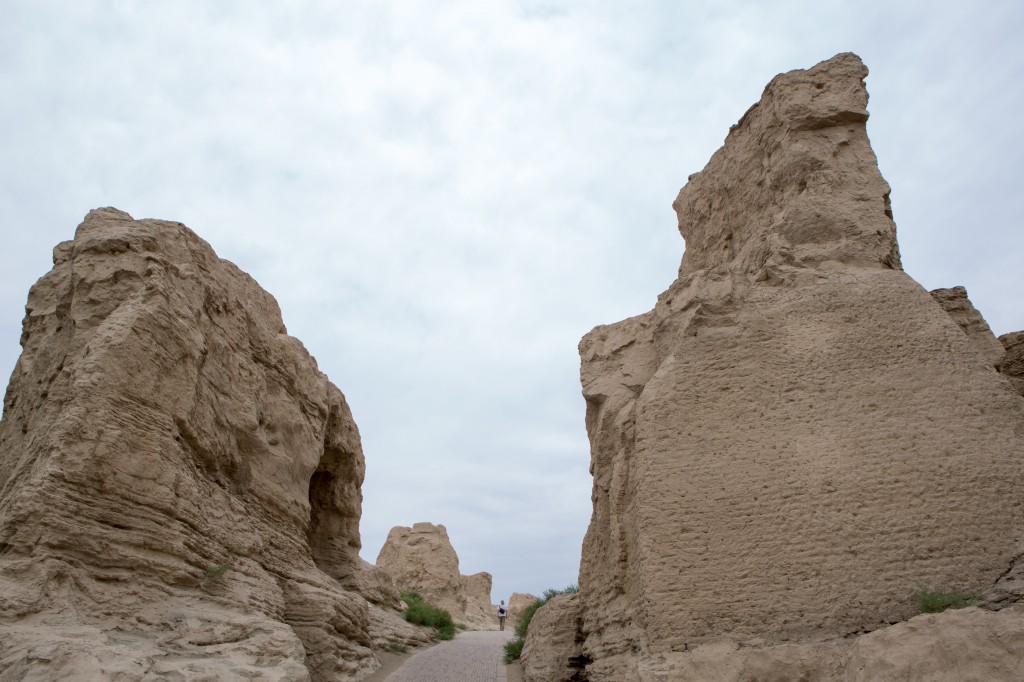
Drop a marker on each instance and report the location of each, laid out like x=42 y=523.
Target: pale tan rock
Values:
x=959 y=307
x=553 y=652
x=422 y=559
x=1012 y=364
x=387 y=626
x=768 y=198
x=727 y=661
x=375 y=584
x=955 y=646
x=160 y=424
x=517 y=603
x=797 y=436
x=386 y=622
x=476 y=591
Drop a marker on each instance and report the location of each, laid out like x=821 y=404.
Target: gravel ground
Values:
x=470 y=657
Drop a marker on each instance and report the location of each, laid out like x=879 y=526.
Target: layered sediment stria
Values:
x=798 y=436
x=179 y=484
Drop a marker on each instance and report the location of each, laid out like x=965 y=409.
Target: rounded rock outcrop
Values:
x=421 y=558
x=517 y=603
x=179 y=483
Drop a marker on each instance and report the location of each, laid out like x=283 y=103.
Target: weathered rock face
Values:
x=517 y=603
x=959 y=307
x=180 y=484
x=798 y=435
x=1012 y=364
x=422 y=559
x=553 y=650
x=476 y=592
x=968 y=644
x=1005 y=353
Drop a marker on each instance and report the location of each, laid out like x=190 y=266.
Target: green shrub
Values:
x=419 y=612
x=937 y=601
x=514 y=648
x=523 y=624
x=397 y=647
x=568 y=589
x=462 y=626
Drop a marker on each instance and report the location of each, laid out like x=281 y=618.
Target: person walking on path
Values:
x=502 y=613
x=470 y=657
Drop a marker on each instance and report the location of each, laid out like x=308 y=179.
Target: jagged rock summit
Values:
x=958 y=306
x=798 y=436
x=421 y=558
x=179 y=483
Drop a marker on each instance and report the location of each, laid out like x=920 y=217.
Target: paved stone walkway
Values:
x=470 y=657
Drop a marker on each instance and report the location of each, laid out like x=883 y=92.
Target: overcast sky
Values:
x=445 y=196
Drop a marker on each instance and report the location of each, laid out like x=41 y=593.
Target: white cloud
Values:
x=444 y=198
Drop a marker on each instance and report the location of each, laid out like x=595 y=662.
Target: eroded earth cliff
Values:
x=421 y=558
x=179 y=484
x=798 y=436
x=517 y=603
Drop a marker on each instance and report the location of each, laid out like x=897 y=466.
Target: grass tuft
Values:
x=419 y=612
x=937 y=601
x=514 y=649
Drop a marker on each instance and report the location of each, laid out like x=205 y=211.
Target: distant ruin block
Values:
x=421 y=558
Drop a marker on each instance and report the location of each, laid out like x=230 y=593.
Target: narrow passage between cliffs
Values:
x=470 y=657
